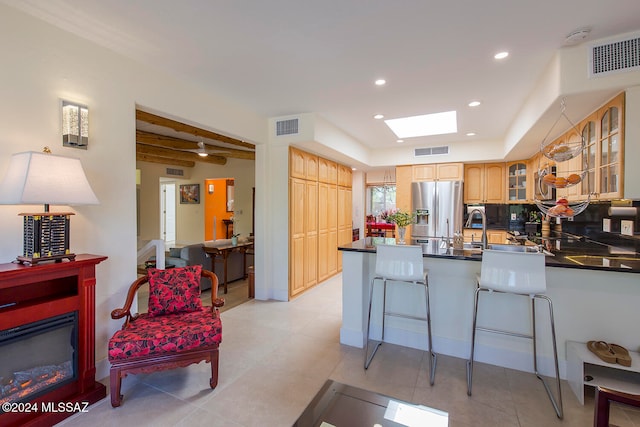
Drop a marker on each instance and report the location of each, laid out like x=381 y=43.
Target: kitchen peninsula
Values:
x=590 y=302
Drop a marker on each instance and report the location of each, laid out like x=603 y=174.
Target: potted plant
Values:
x=402 y=219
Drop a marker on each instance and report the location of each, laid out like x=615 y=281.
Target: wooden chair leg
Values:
x=213 y=382
x=115 y=384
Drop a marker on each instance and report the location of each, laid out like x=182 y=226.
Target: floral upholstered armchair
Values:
x=176 y=331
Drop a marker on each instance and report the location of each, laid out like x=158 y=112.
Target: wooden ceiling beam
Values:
x=179 y=155
x=192 y=130
x=164 y=160
x=151 y=138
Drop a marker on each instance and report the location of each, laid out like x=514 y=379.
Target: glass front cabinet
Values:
x=517 y=182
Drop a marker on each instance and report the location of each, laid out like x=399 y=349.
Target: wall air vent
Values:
x=615 y=57
x=175 y=172
x=287 y=127
x=431 y=151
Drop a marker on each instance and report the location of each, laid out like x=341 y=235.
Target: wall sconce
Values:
x=210 y=188
x=75 y=125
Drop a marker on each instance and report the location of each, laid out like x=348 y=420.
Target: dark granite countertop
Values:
x=566 y=251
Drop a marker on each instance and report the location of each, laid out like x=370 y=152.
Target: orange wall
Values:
x=215 y=206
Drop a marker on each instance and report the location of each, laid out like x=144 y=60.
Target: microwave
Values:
x=544 y=191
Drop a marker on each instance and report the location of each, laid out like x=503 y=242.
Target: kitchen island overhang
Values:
x=589 y=303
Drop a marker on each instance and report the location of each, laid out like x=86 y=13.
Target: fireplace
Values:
x=47 y=340
x=38 y=357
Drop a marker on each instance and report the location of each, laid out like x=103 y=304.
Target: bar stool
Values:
x=518 y=273
x=400 y=264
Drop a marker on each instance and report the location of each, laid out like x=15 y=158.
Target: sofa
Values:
x=194 y=254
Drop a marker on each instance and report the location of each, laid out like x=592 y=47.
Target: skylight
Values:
x=425 y=125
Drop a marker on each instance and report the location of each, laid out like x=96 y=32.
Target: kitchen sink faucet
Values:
x=484 y=225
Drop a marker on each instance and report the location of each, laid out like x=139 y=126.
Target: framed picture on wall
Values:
x=190 y=194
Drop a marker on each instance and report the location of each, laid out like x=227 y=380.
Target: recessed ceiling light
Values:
x=501 y=55
x=400 y=141
x=378 y=116
x=425 y=125
x=474 y=103
x=354 y=169
x=471 y=134
x=381 y=82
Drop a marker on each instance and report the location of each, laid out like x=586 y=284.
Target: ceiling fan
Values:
x=203 y=151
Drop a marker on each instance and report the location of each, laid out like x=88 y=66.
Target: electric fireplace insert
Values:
x=38 y=357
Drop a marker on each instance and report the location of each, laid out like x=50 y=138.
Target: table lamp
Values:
x=44 y=178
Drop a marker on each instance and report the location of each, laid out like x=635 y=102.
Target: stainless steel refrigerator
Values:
x=438 y=206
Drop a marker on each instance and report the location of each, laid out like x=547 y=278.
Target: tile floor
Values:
x=275 y=356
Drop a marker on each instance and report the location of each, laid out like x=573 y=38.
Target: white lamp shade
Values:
x=40 y=178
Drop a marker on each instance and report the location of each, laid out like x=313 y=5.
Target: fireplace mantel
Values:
x=32 y=293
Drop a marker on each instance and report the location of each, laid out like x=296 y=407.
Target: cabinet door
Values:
x=345 y=176
x=297 y=161
x=494 y=183
x=496 y=236
x=517 y=182
x=424 y=172
x=332 y=212
x=473 y=183
x=311 y=167
x=610 y=148
x=450 y=171
x=588 y=157
x=311 y=234
x=297 y=235
x=323 y=230
x=327 y=171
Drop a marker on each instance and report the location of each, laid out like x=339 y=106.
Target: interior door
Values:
x=168 y=213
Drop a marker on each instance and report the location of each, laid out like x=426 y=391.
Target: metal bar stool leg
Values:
x=432 y=355
x=473 y=343
x=367 y=357
x=557 y=404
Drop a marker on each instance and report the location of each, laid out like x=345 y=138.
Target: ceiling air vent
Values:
x=175 y=172
x=615 y=57
x=287 y=127
x=431 y=151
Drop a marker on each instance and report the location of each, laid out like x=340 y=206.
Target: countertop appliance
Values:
x=542 y=190
x=439 y=209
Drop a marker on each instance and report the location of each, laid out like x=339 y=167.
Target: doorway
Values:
x=168 y=213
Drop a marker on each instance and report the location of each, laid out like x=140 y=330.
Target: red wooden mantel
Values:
x=46 y=290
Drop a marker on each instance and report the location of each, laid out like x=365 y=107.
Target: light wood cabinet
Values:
x=602 y=160
x=327 y=171
x=320 y=218
x=493 y=236
x=303 y=228
x=484 y=183
x=302 y=164
x=609 y=161
x=438 y=172
x=518 y=175
x=297 y=190
x=327 y=230
x=345 y=176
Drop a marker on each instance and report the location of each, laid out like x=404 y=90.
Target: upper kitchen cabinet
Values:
x=518 y=176
x=609 y=160
x=345 y=176
x=484 y=183
x=598 y=169
x=303 y=165
x=327 y=171
x=438 y=172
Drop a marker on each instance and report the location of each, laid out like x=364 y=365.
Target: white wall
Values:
x=41 y=65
